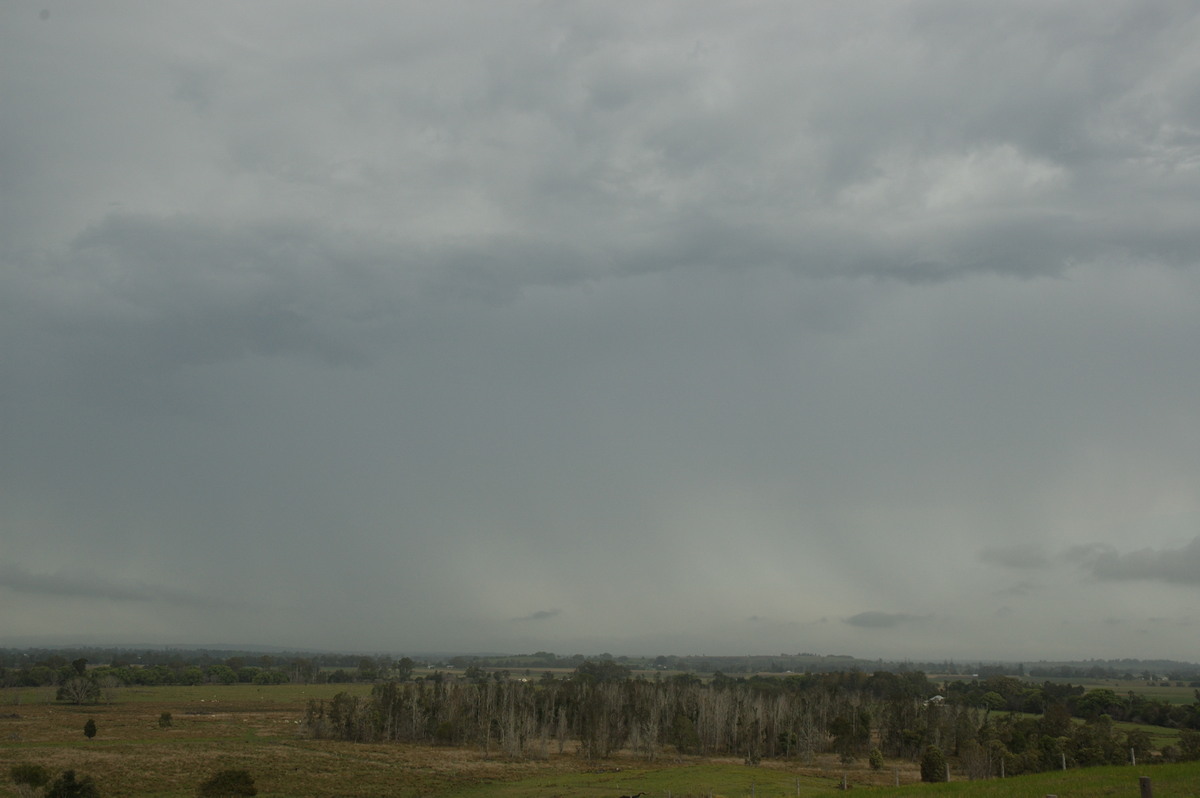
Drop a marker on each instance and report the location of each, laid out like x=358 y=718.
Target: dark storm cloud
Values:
x=692 y=324
x=185 y=291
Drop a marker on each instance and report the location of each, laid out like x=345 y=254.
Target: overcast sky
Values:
x=868 y=328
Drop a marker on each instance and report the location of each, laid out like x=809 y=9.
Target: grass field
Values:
x=1168 y=692
x=258 y=728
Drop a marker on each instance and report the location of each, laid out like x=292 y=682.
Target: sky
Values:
x=864 y=328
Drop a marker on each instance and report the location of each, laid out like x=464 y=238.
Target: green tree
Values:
x=1138 y=741
x=683 y=734
x=67 y=786
x=1099 y=702
x=191 y=675
x=933 y=764
x=222 y=673
x=228 y=784
x=851 y=733
x=89 y=731
x=271 y=677
x=368 y=670
x=875 y=758
x=992 y=701
x=603 y=671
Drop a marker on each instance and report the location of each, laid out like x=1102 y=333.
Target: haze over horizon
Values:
x=860 y=328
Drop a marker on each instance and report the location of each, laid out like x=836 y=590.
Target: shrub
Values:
x=164 y=720
x=232 y=783
x=66 y=786
x=89 y=730
x=875 y=758
x=933 y=764
x=31 y=776
x=1189 y=744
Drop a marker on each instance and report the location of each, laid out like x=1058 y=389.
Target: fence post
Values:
x=1144 y=786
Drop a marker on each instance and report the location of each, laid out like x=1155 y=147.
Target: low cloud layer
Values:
x=879 y=620
x=1170 y=565
x=595 y=328
x=540 y=615
x=81 y=584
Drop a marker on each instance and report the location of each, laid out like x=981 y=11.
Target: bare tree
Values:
x=79 y=690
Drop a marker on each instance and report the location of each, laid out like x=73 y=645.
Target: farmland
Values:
x=260 y=729
x=299 y=726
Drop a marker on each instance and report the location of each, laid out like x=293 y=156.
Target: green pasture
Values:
x=1168 y=692
x=1168 y=781
x=1159 y=735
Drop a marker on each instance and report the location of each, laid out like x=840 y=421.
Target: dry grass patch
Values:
x=212 y=729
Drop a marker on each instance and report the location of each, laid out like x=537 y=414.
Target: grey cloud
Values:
x=737 y=306
x=1021 y=555
x=879 y=620
x=138 y=298
x=85 y=585
x=1021 y=588
x=541 y=615
x=1173 y=566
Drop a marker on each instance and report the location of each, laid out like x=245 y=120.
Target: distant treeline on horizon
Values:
x=1149 y=670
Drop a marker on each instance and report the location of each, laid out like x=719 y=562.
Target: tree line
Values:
x=600 y=709
x=80 y=682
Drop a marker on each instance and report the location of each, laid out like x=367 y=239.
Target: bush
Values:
x=231 y=783
x=1189 y=745
x=164 y=720
x=933 y=764
x=89 y=730
x=32 y=776
x=875 y=758
x=66 y=786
